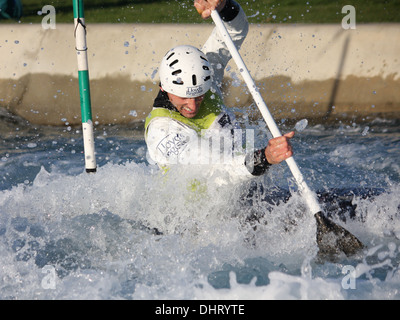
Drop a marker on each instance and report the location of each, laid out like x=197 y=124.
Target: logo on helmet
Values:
x=194 y=91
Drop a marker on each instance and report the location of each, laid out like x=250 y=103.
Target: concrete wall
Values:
x=317 y=72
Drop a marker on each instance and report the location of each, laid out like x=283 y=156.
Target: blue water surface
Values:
x=66 y=234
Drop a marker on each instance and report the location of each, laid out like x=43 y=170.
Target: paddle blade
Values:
x=333 y=239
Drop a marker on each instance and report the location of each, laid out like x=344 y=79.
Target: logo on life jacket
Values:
x=172 y=145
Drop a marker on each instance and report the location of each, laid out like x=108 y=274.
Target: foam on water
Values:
x=65 y=234
x=96 y=231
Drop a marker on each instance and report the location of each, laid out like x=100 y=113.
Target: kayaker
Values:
x=189 y=111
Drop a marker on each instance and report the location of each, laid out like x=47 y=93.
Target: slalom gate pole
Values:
x=84 y=86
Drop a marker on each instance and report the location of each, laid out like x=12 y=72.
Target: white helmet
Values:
x=185 y=72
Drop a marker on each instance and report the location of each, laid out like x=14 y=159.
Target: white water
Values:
x=71 y=235
x=113 y=258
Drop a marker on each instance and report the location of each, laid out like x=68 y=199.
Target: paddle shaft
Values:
x=309 y=196
x=84 y=87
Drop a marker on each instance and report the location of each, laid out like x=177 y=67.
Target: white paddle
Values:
x=345 y=241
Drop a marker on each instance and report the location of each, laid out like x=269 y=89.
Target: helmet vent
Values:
x=194 y=79
x=170 y=55
x=176 y=72
x=174 y=62
x=178 y=82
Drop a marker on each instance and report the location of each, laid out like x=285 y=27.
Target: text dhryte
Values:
x=221 y=309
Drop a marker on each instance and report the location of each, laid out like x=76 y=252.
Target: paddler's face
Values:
x=188 y=107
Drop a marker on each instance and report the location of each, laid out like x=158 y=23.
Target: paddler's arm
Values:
x=277 y=150
x=237 y=25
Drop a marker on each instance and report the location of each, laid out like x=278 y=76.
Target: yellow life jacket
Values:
x=210 y=109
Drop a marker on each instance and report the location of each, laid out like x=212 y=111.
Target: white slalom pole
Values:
x=309 y=196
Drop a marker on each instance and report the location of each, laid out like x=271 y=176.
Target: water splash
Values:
x=301 y=125
x=101 y=233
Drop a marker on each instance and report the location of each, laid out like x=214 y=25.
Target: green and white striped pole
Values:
x=84 y=87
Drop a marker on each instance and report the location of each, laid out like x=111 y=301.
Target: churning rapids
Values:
x=66 y=234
